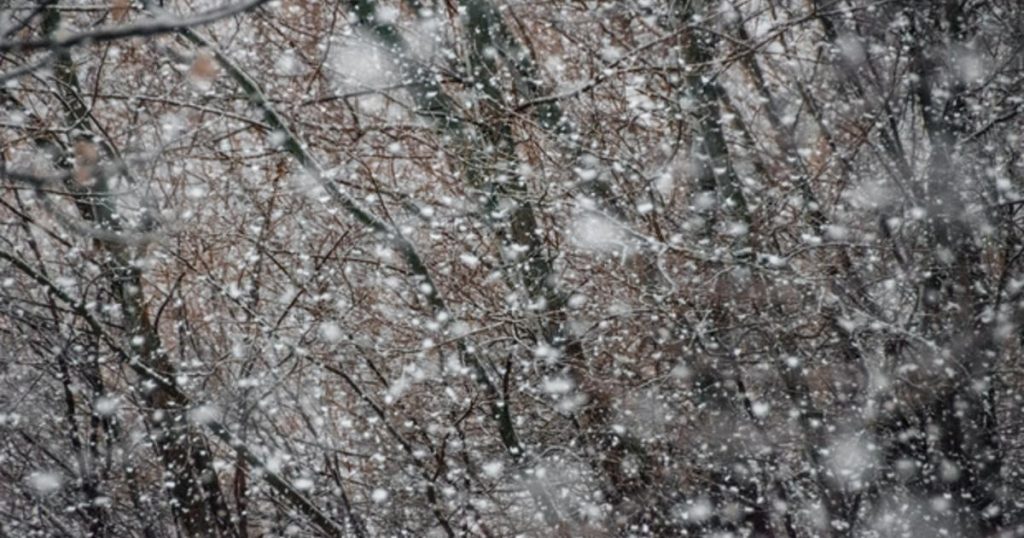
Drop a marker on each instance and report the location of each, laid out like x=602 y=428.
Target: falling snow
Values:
x=630 y=268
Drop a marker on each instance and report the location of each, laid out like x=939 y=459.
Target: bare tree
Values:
x=501 y=268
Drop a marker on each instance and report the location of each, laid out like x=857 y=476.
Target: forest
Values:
x=511 y=268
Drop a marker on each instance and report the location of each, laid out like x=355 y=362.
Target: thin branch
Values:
x=162 y=25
